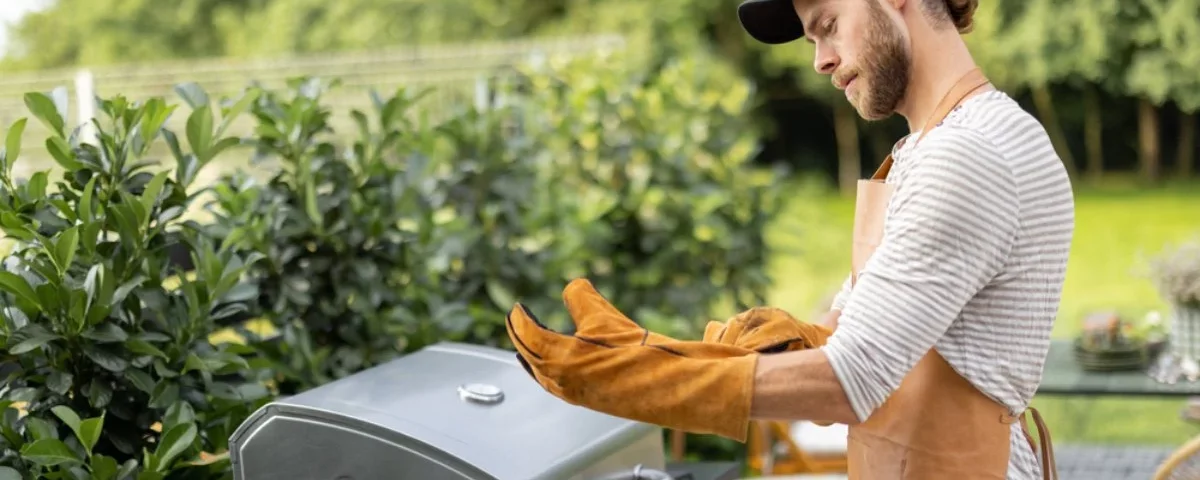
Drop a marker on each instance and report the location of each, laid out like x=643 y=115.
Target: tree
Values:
x=1165 y=66
x=103 y=32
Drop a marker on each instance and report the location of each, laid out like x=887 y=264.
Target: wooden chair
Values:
x=792 y=448
x=1182 y=464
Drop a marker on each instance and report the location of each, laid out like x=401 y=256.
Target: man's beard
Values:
x=884 y=65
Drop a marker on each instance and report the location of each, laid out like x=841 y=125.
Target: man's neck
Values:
x=944 y=60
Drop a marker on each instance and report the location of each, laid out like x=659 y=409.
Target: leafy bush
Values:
x=656 y=162
x=389 y=235
x=117 y=377
x=327 y=227
x=384 y=239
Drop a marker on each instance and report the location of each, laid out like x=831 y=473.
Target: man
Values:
x=941 y=331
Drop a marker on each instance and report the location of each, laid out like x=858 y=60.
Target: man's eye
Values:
x=830 y=26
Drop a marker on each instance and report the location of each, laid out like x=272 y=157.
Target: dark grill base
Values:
x=705 y=470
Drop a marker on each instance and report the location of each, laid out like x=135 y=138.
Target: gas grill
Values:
x=449 y=411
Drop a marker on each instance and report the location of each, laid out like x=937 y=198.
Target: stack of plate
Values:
x=1111 y=359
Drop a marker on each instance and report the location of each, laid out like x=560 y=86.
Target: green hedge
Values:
x=365 y=244
x=108 y=346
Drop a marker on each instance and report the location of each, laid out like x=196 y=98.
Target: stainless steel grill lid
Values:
x=449 y=411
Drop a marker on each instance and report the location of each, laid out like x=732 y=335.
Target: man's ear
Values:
x=898 y=4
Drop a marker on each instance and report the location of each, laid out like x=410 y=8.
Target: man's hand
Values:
x=767 y=330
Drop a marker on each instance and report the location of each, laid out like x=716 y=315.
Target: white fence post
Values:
x=85 y=96
x=482 y=95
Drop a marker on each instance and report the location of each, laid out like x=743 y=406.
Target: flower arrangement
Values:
x=1176 y=273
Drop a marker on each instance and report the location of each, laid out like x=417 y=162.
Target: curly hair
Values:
x=959 y=12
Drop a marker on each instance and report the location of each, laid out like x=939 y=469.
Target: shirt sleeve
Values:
x=951 y=225
x=843 y=295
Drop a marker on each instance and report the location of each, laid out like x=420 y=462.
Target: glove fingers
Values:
x=754 y=318
x=587 y=307
x=547 y=384
x=735 y=328
x=785 y=334
x=532 y=339
x=713 y=331
x=519 y=322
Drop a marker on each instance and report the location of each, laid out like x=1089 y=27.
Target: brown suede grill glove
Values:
x=605 y=322
x=690 y=386
x=767 y=330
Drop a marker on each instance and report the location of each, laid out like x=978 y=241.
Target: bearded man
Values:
x=936 y=343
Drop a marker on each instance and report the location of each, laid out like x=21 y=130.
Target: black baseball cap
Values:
x=771 y=21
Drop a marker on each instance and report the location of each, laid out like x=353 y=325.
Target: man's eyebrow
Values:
x=814 y=25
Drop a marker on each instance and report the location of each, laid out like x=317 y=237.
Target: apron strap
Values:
x=966 y=85
x=1049 y=465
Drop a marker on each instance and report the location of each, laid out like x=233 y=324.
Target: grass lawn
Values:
x=1116 y=224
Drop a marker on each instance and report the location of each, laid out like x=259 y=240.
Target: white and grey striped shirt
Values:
x=972 y=262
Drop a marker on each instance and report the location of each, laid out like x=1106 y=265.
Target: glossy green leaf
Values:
x=43 y=107
x=90 y=431
x=127 y=469
x=200 y=132
x=62 y=153
x=153 y=190
x=14 y=284
x=85 y=203
x=59 y=382
x=174 y=442
x=140 y=380
x=193 y=94
x=40 y=429
x=12 y=141
x=103 y=468
x=106 y=333
x=37 y=185
x=141 y=347
x=29 y=338
x=105 y=358
x=65 y=247
x=49 y=452
x=68 y=416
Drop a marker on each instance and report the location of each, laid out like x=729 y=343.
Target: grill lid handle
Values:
x=481 y=393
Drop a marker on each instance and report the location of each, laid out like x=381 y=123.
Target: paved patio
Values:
x=1075 y=462
x=1109 y=462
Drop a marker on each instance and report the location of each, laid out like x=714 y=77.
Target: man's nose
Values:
x=825 y=60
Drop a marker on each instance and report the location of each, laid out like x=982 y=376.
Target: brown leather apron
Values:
x=936 y=426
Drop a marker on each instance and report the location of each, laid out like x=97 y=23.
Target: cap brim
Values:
x=771 y=21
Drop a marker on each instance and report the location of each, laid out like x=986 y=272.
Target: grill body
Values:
x=450 y=411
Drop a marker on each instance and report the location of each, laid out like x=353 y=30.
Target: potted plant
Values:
x=1176 y=274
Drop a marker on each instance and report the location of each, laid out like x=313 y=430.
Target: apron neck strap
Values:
x=966 y=85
